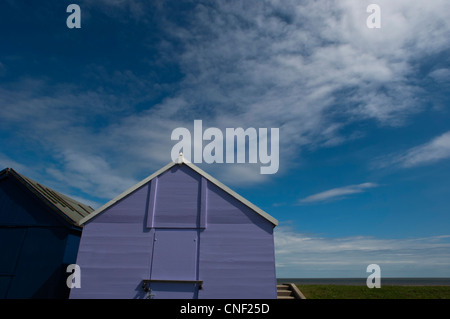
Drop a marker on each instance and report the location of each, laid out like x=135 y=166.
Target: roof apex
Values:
x=181 y=158
x=180 y=161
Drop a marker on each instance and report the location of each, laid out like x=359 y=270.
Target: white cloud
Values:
x=440 y=75
x=296 y=66
x=437 y=149
x=339 y=192
x=308 y=68
x=305 y=255
x=91 y=174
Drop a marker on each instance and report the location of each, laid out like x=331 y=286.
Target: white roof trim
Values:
x=180 y=160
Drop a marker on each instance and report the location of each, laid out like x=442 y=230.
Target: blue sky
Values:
x=363 y=114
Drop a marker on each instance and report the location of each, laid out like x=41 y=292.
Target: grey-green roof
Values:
x=70 y=209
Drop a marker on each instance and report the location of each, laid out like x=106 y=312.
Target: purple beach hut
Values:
x=179 y=233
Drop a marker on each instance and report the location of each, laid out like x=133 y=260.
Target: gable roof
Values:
x=70 y=209
x=181 y=161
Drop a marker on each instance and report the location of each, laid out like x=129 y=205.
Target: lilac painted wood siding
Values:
x=225 y=243
x=236 y=250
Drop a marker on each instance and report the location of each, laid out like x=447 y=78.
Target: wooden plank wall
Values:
x=236 y=249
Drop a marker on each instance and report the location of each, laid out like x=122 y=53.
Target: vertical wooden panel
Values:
x=177 y=199
x=152 y=202
x=203 y=203
x=175 y=254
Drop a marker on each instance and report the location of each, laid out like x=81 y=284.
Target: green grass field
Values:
x=385 y=292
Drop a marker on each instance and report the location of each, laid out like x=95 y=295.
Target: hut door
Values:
x=174 y=264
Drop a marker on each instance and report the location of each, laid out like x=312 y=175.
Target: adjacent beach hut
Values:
x=39 y=237
x=179 y=233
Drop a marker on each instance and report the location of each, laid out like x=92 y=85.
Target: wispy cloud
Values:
x=6 y=162
x=433 y=151
x=437 y=149
x=338 y=193
x=441 y=75
x=308 y=68
x=310 y=255
x=92 y=174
